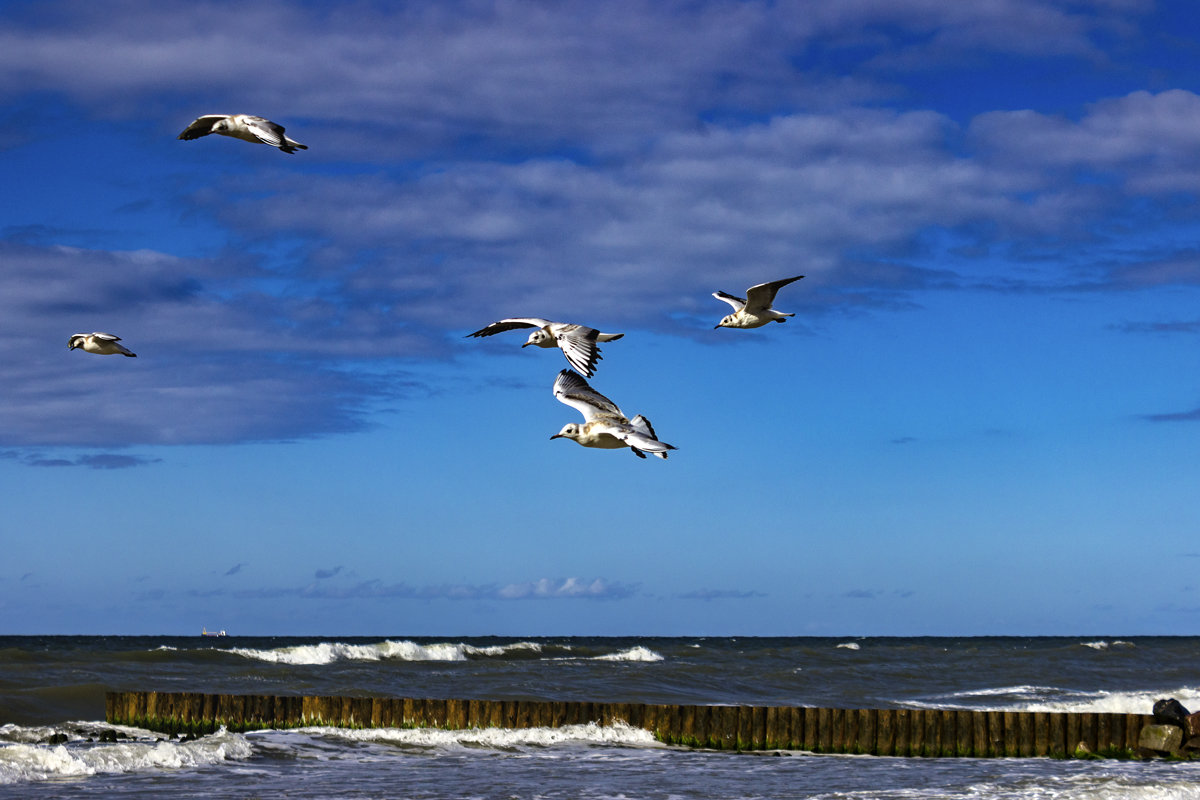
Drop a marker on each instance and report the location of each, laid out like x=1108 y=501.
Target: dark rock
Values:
x=1193 y=725
x=108 y=735
x=1161 y=738
x=56 y=738
x=1170 y=711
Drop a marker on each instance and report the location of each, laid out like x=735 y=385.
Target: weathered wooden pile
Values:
x=884 y=732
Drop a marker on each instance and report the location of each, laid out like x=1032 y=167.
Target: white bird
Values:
x=577 y=342
x=604 y=425
x=104 y=344
x=754 y=311
x=242 y=126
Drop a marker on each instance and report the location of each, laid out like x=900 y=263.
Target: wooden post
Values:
x=1087 y=730
x=979 y=734
x=1073 y=725
x=1058 y=736
x=903 y=722
x=837 y=743
x=885 y=732
x=964 y=726
x=867 y=723
x=687 y=726
x=1041 y=734
x=727 y=727
x=1103 y=732
x=949 y=732
x=1026 y=737
x=933 y=732
x=825 y=731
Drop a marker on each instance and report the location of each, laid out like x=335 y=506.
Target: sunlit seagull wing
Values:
x=737 y=302
x=760 y=297
x=267 y=132
x=571 y=389
x=510 y=325
x=203 y=126
x=645 y=439
x=579 y=346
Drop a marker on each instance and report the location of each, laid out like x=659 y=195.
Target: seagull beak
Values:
x=718 y=325
x=526 y=345
x=556 y=436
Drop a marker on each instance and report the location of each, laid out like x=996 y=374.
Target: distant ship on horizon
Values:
x=207 y=632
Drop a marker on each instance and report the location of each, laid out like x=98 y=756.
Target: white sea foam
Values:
x=1103 y=645
x=331 y=652
x=618 y=733
x=850 y=646
x=638 y=653
x=21 y=763
x=1050 y=698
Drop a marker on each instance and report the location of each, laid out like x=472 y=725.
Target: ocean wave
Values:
x=27 y=762
x=618 y=733
x=850 y=646
x=637 y=653
x=332 y=652
x=1103 y=645
x=1051 y=698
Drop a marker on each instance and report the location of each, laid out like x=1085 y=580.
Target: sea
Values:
x=52 y=715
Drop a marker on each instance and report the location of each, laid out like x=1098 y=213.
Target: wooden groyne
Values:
x=882 y=732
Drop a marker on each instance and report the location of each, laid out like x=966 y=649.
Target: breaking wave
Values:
x=332 y=652
x=618 y=733
x=638 y=653
x=1051 y=698
x=25 y=761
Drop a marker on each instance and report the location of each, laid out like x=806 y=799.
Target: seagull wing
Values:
x=760 y=297
x=578 y=345
x=737 y=302
x=574 y=391
x=264 y=130
x=202 y=126
x=511 y=325
x=105 y=337
x=645 y=432
x=639 y=442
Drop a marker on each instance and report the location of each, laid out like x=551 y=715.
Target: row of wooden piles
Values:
x=883 y=732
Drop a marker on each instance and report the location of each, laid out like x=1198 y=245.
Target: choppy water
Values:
x=56 y=685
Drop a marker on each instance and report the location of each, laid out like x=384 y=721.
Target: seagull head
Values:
x=726 y=322
x=570 y=431
x=540 y=337
x=76 y=341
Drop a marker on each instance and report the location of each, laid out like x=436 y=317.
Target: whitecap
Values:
x=1057 y=699
x=405 y=650
x=850 y=646
x=1103 y=645
x=618 y=733
x=21 y=763
x=638 y=653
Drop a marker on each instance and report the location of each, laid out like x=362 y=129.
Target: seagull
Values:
x=603 y=423
x=242 y=126
x=755 y=311
x=104 y=344
x=577 y=342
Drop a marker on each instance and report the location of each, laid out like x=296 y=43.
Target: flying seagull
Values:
x=603 y=423
x=577 y=342
x=242 y=126
x=755 y=311
x=104 y=344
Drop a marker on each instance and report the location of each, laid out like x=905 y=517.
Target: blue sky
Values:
x=983 y=419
